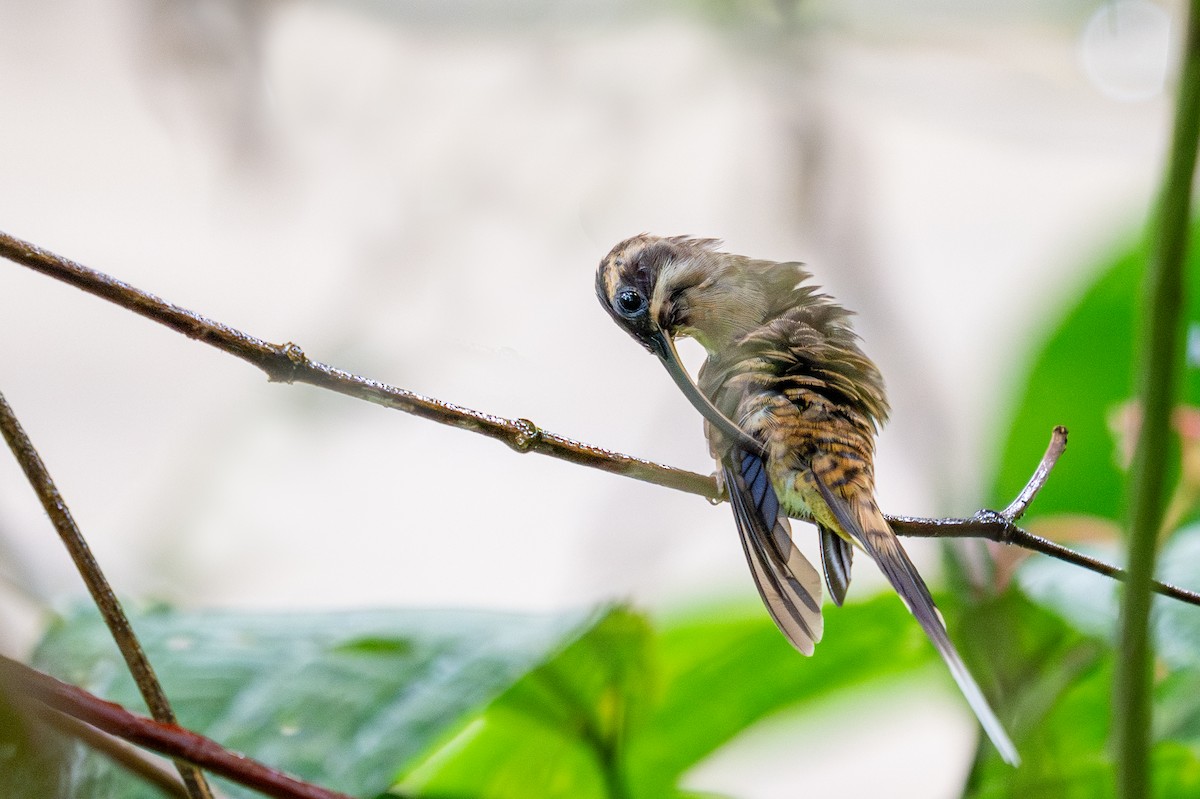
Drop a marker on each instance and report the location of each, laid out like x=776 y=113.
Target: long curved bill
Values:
x=664 y=348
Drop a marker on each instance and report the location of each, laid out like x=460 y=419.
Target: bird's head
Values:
x=658 y=288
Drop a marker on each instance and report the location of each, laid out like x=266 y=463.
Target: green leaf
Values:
x=1176 y=771
x=625 y=713
x=557 y=733
x=722 y=671
x=340 y=699
x=1064 y=752
x=1091 y=352
x=1177 y=712
x=1067 y=751
x=483 y=705
x=33 y=759
x=1177 y=624
x=1058 y=685
x=1089 y=601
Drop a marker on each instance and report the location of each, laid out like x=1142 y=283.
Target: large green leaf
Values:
x=631 y=720
x=557 y=732
x=340 y=699
x=724 y=671
x=483 y=705
x=1082 y=373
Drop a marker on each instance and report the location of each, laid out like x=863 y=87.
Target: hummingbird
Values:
x=791 y=407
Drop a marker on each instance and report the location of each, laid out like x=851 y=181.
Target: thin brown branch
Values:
x=1000 y=526
x=287 y=363
x=992 y=526
x=167 y=739
x=116 y=750
x=97 y=585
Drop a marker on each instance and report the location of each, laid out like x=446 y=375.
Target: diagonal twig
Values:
x=166 y=739
x=1058 y=444
x=287 y=363
x=1001 y=527
x=97 y=585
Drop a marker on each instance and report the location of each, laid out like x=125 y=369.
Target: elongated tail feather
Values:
x=862 y=519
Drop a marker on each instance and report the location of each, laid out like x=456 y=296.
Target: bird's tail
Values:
x=881 y=544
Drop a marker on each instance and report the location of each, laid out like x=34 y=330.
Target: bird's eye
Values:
x=630 y=302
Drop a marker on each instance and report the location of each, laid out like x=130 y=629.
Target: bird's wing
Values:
x=789 y=585
x=836 y=556
x=861 y=518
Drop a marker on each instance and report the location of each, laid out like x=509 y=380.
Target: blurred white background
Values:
x=420 y=192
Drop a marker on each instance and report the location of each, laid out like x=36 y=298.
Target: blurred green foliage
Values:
x=474 y=704
x=1082 y=377
x=33 y=759
x=337 y=698
x=637 y=720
